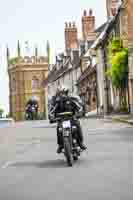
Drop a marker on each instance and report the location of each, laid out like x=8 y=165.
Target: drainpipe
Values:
x=97 y=92
x=106 y=96
x=129 y=109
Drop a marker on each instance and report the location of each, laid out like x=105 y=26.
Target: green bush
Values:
x=1 y=112
x=118 y=70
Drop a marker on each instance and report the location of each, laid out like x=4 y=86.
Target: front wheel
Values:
x=75 y=157
x=68 y=152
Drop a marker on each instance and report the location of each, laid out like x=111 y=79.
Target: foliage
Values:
x=8 y=115
x=13 y=61
x=1 y=112
x=118 y=70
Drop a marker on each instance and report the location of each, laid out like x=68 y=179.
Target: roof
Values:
x=90 y=43
x=64 y=68
x=100 y=28
x=87 y=72
x=104 y=34
x=54 y=74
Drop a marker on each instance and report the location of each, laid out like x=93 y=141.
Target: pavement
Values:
x=123 y=118
x=30 y=169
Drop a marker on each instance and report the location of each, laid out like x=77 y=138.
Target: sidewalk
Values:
x=125 y=118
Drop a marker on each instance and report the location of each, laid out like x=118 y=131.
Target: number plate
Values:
x=66 y=124
x=66 y=133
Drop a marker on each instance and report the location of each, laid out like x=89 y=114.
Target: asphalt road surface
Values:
x=30 y=169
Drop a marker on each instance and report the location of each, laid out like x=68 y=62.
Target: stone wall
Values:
x=25 y=81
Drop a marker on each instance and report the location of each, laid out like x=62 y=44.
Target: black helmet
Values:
x=64 y=89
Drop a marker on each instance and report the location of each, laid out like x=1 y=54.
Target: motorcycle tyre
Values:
x=75 y=157
x=68 y=153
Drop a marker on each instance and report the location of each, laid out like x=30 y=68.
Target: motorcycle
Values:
x=31 y=113
x=71 y=148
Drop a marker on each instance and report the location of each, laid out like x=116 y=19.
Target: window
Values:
x=35 y=83
x=14 y=84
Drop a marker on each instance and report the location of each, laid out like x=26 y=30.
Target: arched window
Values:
x=35 y=83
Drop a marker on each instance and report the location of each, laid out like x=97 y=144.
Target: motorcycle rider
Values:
x=32 y=102
x=63 y=102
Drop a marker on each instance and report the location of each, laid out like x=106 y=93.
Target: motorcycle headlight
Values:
x=60 y=130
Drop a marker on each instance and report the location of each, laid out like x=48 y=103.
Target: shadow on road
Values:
x=47 y=164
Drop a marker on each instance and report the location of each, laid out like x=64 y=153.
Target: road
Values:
x=30 y=169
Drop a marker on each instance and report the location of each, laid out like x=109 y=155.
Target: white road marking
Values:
x=8 y=163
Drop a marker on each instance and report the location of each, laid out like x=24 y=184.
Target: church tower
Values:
x=26 y=77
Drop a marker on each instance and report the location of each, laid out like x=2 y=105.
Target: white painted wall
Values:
x=68 y=79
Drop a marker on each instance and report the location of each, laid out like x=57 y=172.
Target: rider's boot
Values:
x=59 y=149
x=82 y=146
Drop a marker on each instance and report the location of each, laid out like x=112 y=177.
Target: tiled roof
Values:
x=55 y=74
x=100 y=28
x=87 y=72
x=104 y=34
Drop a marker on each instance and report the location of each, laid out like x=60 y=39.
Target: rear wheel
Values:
x=68 y=152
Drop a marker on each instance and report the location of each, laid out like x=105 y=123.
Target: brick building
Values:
x=87 y=83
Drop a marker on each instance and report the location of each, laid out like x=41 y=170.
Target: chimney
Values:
x=88 y=23
x=112 y=7
x=71 y=36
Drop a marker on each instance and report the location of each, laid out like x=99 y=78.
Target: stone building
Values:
x=116 y=26
x=66 y=69
x=87 y=85
x=26 y=76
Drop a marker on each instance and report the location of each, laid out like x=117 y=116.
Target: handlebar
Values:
x=65 y=114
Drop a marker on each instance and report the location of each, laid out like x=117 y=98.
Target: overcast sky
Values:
x=37 y=21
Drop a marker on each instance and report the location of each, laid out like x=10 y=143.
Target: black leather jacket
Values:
x=61 y=104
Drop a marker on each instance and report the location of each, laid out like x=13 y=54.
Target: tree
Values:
x=118 y=71
x=1 y=112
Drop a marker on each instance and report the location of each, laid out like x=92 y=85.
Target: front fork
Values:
x=68 y=134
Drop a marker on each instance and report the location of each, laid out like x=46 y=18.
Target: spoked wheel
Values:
x=68 y=152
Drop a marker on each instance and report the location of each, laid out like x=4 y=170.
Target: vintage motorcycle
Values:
x=71 y=148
